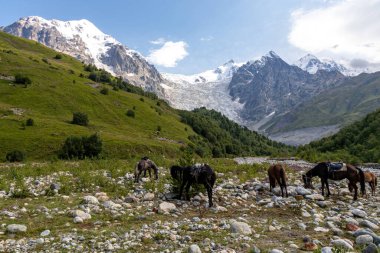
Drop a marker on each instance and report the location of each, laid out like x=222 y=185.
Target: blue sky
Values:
x=210 y=31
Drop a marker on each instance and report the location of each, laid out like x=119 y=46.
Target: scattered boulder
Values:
x=90 y=200
x=359 y=213
x=342 y=243
x=240 y=228
x=194 y=249
x=148 y=196
x=364 y=239
x=166 y=207
x=16 y=228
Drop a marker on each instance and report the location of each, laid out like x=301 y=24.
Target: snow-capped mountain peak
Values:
x=312 y=64
x=84 y=41
x=221 y=73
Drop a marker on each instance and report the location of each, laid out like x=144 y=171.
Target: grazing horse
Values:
x=277 y=173
x=326 y=170
x=145 y=164
x=371 y=179
x=197 y=174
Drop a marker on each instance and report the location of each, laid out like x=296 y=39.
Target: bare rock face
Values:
x=84 y=41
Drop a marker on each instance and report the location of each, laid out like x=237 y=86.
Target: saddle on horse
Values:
x=333 y=167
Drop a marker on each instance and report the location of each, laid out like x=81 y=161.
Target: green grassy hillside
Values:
x=358 y=142
x=57 y=90
x=61 y=86
x=342 y=105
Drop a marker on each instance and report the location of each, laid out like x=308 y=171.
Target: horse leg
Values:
x=181 y=190
x=323 y=187
x=150 y=174
x=187 y=189
x=286 y=191
x=209 y=193
x=372 y=185
x=356 y=191
x=328 y=188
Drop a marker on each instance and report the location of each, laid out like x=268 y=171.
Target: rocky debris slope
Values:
x=146 y=217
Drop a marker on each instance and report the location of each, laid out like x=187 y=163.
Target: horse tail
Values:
x=362 y=180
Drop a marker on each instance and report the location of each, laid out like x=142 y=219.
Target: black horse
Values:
x=145 y=164
x=197 y=174
x=326 y=170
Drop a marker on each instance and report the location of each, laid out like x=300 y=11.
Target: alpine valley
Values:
x=291 y=103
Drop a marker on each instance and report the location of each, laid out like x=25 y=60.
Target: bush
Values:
x=81 y=147
x=104 y=91
x=131 y=113
x=29 y=122
x=58 y=56
x=21 y=79
x=159 y=128
x=142 y=99
x=80 y=118
x=15 y=156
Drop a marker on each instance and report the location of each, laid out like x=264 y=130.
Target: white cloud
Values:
x=159 y=41
x=346 y=29
x=169 y=54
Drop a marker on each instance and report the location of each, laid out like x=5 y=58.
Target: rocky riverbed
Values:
x=145 y=217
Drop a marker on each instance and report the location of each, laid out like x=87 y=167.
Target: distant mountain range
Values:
x=265 y=94
x=84 y=41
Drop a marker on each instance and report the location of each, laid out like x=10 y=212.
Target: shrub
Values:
x=58 y=56
x=15 y=156
x=81 y=147
x=22 y=79
x=80 y=118
x=30 y=122
x=142 y=99
x=104 y=91
x=159 y=128
x=131 y=113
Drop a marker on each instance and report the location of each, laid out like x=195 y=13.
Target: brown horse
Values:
x=324 y=171
x=371 y=179
x=277 y=173
x=145 y=164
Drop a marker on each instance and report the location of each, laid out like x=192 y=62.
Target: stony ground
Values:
x=48 y=213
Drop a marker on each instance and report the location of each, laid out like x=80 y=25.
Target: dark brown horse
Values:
x=324 y=171
x=371 y=179
x=196 y=174
x=277 y=173
x=145 y=164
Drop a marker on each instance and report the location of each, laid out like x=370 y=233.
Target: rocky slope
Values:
x=113 y=215
x=84 y=41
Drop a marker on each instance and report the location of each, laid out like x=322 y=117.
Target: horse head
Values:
x=175 y=171
x=307 y=181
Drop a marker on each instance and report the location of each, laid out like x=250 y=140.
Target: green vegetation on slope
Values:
x=60 y=87
x=223 y=137
x=343 y=105
x=129 y=121
x=358 y=142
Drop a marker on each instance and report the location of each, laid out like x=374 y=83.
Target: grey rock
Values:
x=166 y=207
x=90 y=200
x=45 y=233
x=240 y=228
x=371 y=248
x=326 y=250
x=16 y=228
x=342 y=243
x=364 y=239
x=194 y=249
x=359 y=213
x=302 y=191
x=368 y=224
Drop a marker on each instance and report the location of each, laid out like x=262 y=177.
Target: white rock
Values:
x=321 y=229
x=79 y=213
x=78 y=219
x=194 y=249
x=148 y=196
x=363 y=239
x=326 y=250
x=314 y=197
x=368 y=224
x=240 y=228
x=45 y=233
x=166 y=207
x=342 y=243
x=90 y=200
x=302 y=191
x=16 y=228
x=359 y=213
x=276 y=251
